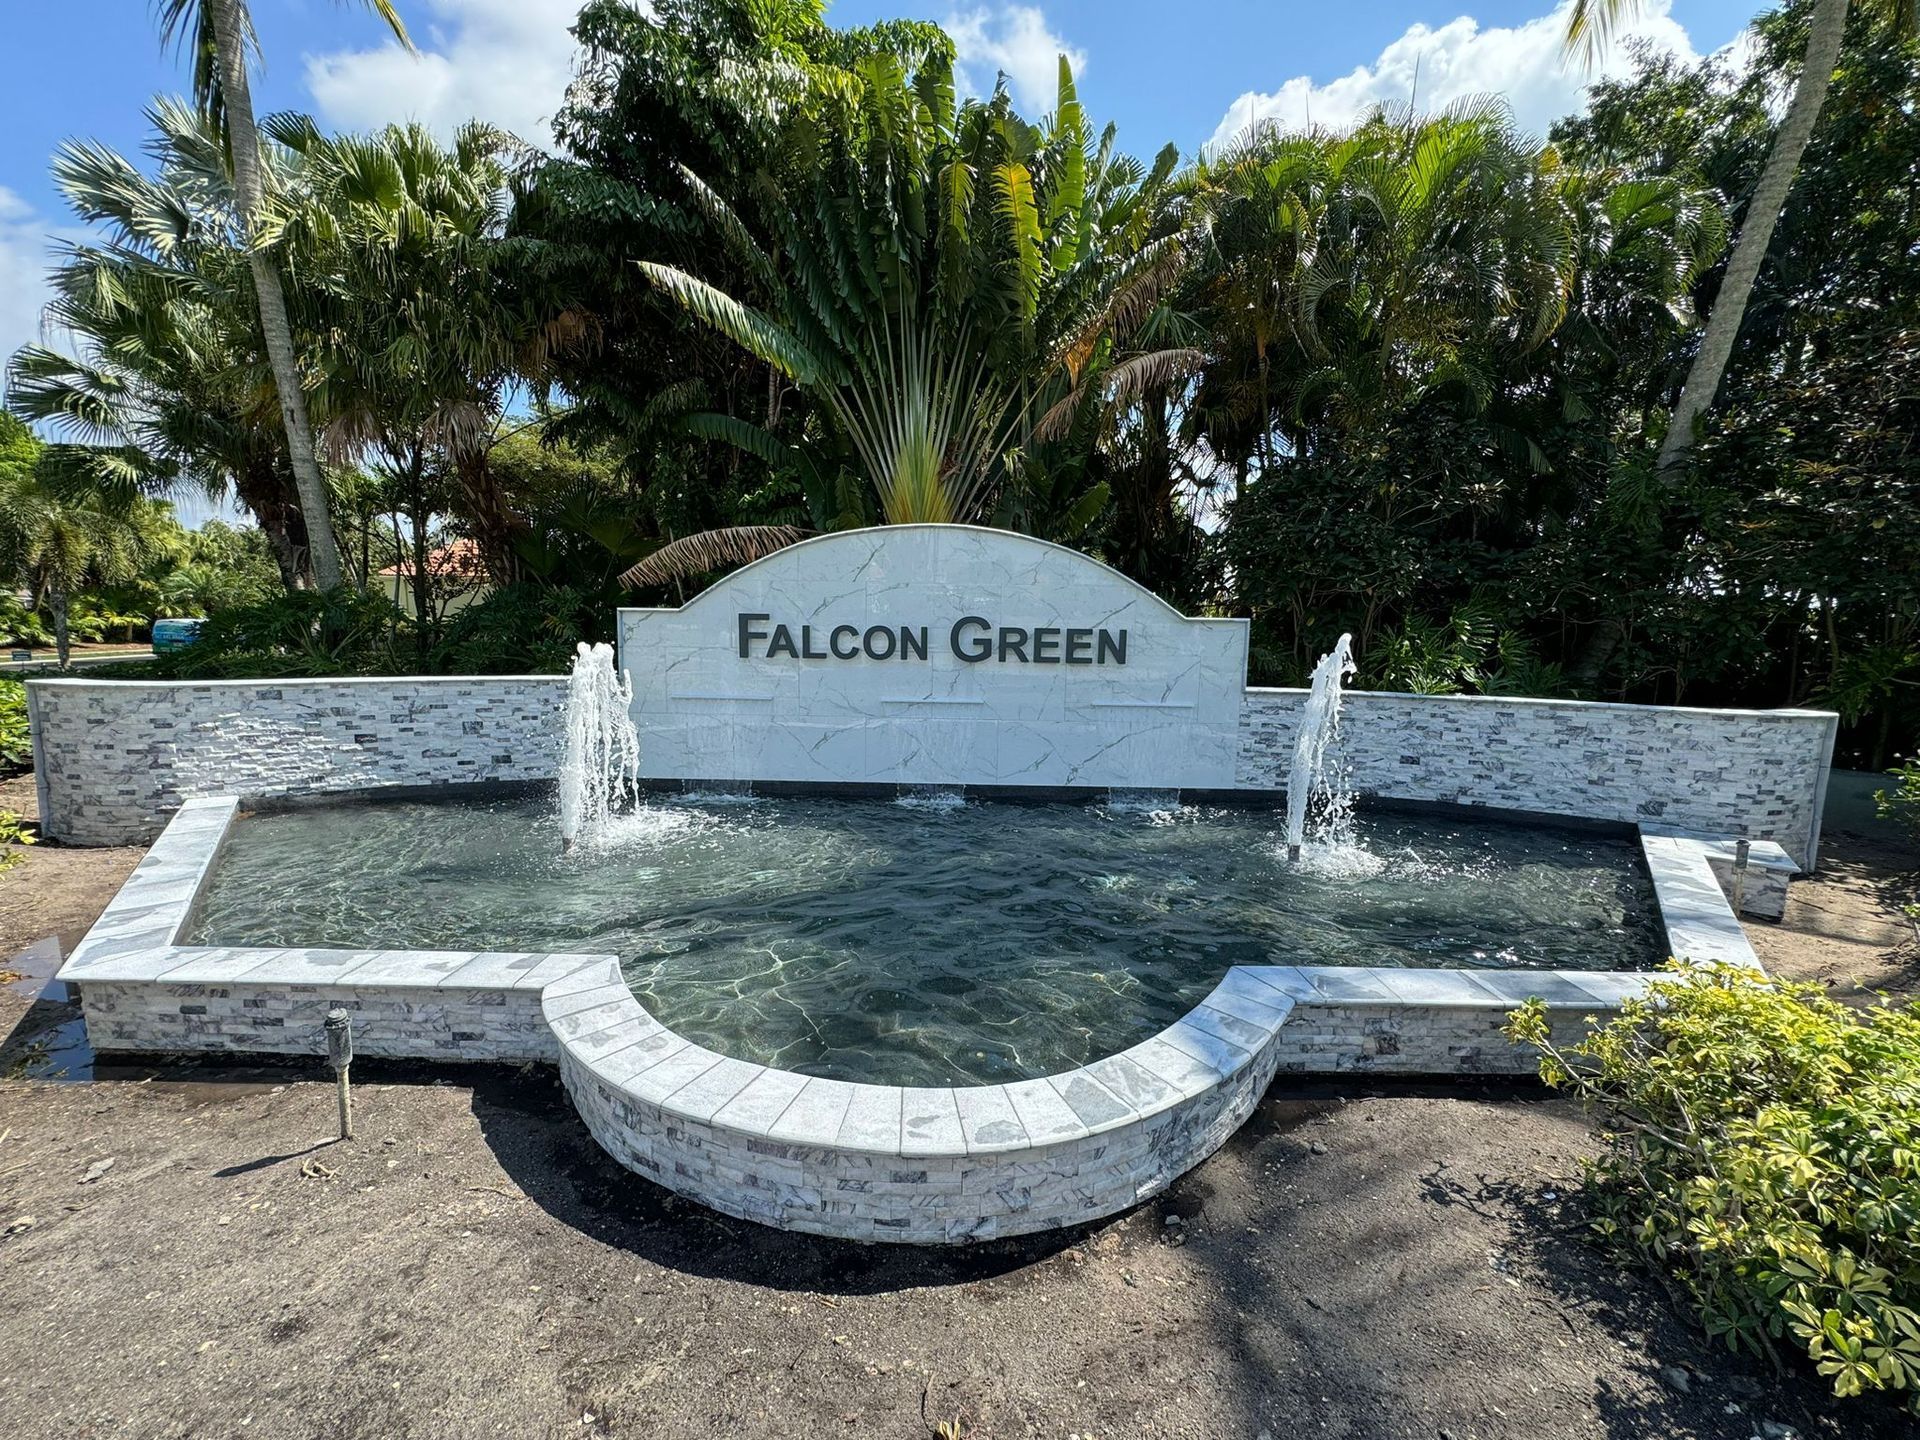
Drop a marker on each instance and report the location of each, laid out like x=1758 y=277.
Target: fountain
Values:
x=601 y=765
x=1309 y=776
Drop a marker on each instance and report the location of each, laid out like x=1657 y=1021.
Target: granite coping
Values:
x=1723 y=849
x=1701 y=925
x=1545 y=702
x=605 y=1030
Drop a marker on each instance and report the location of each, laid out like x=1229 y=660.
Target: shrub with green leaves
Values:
x=16 y=745
x=301 y=632
x=523 y=629
x=1762 y=1144
x=1900 y=803
x=14 y=833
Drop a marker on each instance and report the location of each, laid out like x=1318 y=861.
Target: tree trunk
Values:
x=57 y=602
x=493 y=524
x=1824 y=34
x=244 y=140
x=262 y=487
x=422 y=516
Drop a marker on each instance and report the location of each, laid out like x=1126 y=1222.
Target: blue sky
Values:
x=1162 y=70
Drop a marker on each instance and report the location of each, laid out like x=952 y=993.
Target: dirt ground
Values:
x=1361 y=1262
x=1844 y=928
x=53 y=890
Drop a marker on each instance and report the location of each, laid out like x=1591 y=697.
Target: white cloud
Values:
x=507 y=62
x=1014 y=41
x=1526 y=64
x=26 y=254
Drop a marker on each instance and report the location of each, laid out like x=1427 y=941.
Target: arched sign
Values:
x=935 y=654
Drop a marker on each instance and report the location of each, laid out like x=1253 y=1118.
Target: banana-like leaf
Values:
x=1085 y=511
x=750 y=329
x=1014 y=185
x=741 y=434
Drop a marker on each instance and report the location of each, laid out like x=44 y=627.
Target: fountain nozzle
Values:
x=1293 y=854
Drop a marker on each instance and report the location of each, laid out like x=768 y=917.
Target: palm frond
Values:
x=711 y=550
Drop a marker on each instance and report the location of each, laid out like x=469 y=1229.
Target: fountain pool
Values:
x=907 y=944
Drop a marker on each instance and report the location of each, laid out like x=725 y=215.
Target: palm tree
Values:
x=57 y=540
x=397 y=238
x=219 y=33
x=942 y=278
x=167 y=381
x=1589 y=25
x=1350 y=275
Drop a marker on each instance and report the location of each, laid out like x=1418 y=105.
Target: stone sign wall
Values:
x=921 y=655
x=1761 y=774
x=935 y=654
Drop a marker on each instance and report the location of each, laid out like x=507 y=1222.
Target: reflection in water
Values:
x=926 y=944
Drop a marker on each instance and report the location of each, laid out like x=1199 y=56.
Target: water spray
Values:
x=601 y=766
x=1319 y=726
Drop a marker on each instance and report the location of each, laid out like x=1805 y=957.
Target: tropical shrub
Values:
x=14 y=832
x=21 y=626
x=303 y=632
x=16 y=746
x=1762 y=1144
x=521 y=629
x=1901 y=804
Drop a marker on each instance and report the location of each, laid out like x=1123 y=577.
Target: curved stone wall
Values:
x=929 y=1166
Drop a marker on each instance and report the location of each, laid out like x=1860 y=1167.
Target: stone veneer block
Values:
x=762 y=1101
x=521 y=971
x=617 y=1067
x=1210 y=1049
x=411 y=969
x=213 y=966
x=816 y=1114
x=673 y=1074
x=1247 y=999
x=1244 y=1034
x=1133 y=1085
x=579 y=981
x=1693 y=907
x=1436 y=987
x=1095 y=1106
x=1180 y=1070
x=1047 y=1118
x=627 y=1031
x=713 y=1088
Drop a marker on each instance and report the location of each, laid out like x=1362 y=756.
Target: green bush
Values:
x=16 y=746
x=522 y=629
x=14 y=833
x=1762 y=1143
x=301 y=632
x=1901 y=804
x=20 y=626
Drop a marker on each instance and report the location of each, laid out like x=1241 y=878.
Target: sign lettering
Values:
x=971 y=638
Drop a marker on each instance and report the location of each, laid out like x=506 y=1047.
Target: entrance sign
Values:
x=935 y=654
